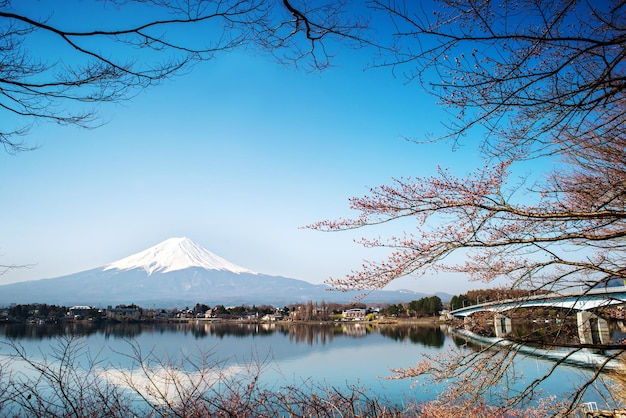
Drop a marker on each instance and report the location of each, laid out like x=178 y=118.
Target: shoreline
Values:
x=433 y=321
x=384 y=321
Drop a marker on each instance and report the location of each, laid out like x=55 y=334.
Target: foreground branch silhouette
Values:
x=123 y=46
x=73 y=382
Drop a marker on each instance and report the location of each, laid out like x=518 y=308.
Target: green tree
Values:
x=427 y=306
x=200 y=308
x=395 y=310
x=219 y=310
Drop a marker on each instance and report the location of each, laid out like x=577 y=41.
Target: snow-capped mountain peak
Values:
x=175 y=254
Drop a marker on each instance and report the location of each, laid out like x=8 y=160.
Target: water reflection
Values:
x=301 y=333
x=332 y=352
x=426 y=335
x=584 y=340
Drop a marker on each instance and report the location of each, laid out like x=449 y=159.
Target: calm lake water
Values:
x=336 y=355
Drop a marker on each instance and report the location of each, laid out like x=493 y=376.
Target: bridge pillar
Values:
x=502 y=325
x=592 y=329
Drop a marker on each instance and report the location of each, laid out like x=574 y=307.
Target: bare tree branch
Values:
x=117 y=57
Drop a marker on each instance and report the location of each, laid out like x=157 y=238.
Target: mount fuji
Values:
x=175 y=254
x=178 y=272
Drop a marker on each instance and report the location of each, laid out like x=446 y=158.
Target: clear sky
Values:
x=237 y=155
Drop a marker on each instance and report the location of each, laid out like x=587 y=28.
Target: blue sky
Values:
x=237 y=155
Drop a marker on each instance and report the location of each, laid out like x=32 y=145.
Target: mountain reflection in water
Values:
x=337 y=353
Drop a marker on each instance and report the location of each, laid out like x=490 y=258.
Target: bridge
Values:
x=591 y=328
x=579 y=301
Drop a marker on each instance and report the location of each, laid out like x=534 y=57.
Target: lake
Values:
x=333 y=354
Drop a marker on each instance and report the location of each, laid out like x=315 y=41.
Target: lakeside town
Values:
x=41 y=313
x=529 y=321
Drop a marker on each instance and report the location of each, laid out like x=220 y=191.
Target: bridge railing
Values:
x=576 y=296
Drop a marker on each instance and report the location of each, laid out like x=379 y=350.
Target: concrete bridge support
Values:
x=592 y=329
x=502 y=325
x=467 y=322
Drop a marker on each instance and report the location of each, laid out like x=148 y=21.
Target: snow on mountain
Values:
x=179 y=272
x=175 y=254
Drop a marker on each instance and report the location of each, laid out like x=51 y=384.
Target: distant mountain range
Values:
x=179 y=272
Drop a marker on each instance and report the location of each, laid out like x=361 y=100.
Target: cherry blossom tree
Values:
x=537 y=80
x=541 y=82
